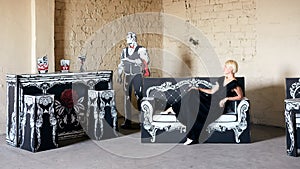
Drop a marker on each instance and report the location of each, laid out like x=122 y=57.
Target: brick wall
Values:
x=229 y=25
x=80 y=27
x=98 y=28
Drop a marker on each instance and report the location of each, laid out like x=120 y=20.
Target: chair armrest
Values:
x=148 y=101
x=242 y=109
x=147 y=107
x=232 y=106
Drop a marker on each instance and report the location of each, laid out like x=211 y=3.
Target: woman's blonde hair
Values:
x=233 y=64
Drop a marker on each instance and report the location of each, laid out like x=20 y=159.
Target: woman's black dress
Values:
x=208 y=111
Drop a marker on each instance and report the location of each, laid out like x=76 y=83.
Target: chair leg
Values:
x=153 y=134
x=237 y=135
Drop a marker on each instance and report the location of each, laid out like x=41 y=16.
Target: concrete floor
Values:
x=266 y=151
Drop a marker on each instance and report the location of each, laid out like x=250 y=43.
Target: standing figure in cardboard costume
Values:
x=134 y=66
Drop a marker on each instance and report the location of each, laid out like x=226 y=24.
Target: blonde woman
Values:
x=226 y=88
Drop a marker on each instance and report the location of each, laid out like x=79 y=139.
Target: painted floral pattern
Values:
x=69 y=98
x=69 y=108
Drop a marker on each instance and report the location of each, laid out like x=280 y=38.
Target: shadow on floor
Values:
x=258 y=132
x=135 y=127
x=262 y=132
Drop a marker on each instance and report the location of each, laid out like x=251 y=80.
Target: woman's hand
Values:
x=215 y=88
x=193 y=88
x=222 y=102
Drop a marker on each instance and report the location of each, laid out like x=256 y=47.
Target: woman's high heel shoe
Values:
x=188 y=142
x=168 y=111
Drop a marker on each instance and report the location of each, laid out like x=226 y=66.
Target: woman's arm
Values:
x=239 y=96
x=239 y=93
x=208 y=91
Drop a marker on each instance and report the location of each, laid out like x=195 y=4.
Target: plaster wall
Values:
x=44 y=31
x=15 y=45
x=26 y=34
x=278 y=43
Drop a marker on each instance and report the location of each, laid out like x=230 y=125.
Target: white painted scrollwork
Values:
x=92 y=107
x=294 y=89
x=11 y=121
x=35 y=107
x=12 y=132
x=45 y=104
x=147 y=110
x=169 y=86
x=29 y=103
x=105 y=98
x=237 y=126
x=289 y=106
x=149 y=125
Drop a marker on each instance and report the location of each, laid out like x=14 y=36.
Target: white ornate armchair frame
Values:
x=224 y=122
x=151 y=126
x=238 y=126
x=148 y=108
x=292 y=115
